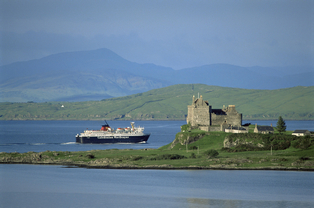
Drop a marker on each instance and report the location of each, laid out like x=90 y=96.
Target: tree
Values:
x=281 y=125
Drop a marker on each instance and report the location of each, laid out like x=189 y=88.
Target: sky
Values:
x=172 y=33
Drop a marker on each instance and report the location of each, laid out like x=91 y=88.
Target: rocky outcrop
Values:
x=184 y=139
x=229 y=143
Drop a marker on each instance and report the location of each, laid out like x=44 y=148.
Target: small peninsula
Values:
x=191 y=149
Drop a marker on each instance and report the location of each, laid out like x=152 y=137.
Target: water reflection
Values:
x=217 y=203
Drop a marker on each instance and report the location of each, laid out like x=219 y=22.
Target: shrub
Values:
x=303 y=158
x=168 y=157
x=193 y=148
x=302 y=142
x=193 y=155
x=186 y=127
x=211 y=153
x=90 y=156
x=137 y=158
x=225 y=149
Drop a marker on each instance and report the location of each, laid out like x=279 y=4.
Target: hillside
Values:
x=170 y=103
x=101 y=74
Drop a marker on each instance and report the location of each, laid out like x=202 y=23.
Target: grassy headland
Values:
x=191 y=149
x=170 y=103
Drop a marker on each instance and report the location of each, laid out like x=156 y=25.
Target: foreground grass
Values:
x=180 y=156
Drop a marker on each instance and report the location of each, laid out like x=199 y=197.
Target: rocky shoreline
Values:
x=105 y=163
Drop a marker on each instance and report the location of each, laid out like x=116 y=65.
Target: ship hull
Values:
x=112 y=139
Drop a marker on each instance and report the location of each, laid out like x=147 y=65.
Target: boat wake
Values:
x=67 y=143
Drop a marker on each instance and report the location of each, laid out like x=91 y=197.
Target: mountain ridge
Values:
x=104 y=73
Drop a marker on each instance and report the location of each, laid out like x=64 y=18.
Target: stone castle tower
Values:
x=201 y=115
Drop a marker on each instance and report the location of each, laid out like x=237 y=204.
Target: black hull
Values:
x=96 y=140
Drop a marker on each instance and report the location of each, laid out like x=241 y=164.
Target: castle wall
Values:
x=235 y=119
x=232 y=119
x=189 y=118
x=199 y=113
x=231 y=116
x=201 y=116
x=214 y=128
x=218 y=119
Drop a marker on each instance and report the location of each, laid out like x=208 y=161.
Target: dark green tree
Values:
x=281 y=125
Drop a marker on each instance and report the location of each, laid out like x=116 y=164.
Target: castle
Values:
x=202 y=116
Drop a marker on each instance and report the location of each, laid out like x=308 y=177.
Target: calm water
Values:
x=38 y=136
x=57 y=186
x=54 y=186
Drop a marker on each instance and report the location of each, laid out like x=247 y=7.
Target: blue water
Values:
x=58 y=186
x=38 y=136
x=55 y=186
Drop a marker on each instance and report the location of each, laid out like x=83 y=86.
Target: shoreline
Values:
x=162 y=167
x=88 y=160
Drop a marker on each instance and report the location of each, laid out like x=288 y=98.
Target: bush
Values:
x=226 y=149
x=193 y=148
x=276 y=141
x=186 y=127
x=136 y=158
x=211 y=153
x=168 y=157
x=90 y=156
x=302 y=142
x=303 y=158
x=193 y=155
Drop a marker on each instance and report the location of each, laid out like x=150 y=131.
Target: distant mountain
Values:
x=100 y=74
x=86 y=75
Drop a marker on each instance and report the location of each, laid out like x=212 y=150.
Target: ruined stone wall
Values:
x=218 y=119
x=214 y=128
x=204 y=128
x=189 y=118
x=235 y=119
x=201 y=116
x=231 y=117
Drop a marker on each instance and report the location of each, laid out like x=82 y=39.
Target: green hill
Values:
x=170 y=103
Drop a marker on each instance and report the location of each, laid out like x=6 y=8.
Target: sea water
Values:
x=38 y=136
x=58 y=186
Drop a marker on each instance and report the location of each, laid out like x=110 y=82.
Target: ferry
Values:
x=109 y=135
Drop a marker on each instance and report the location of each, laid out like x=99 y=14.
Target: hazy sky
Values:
x=177 y=34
